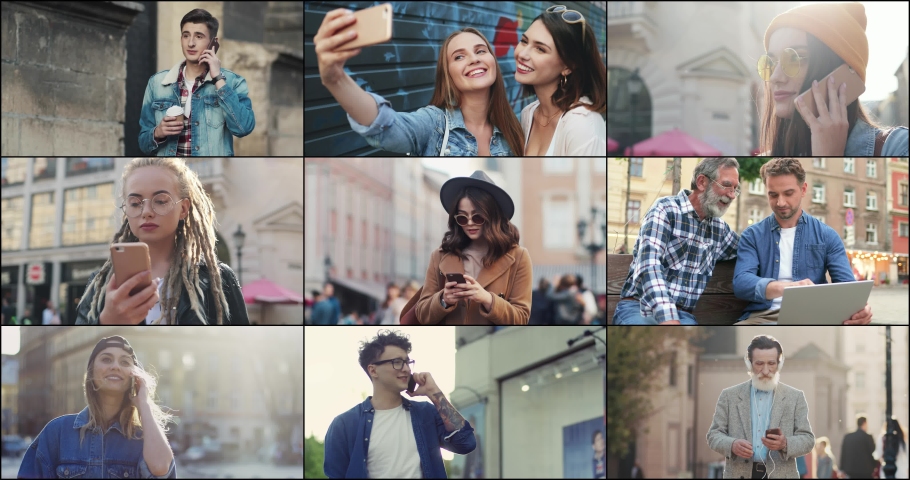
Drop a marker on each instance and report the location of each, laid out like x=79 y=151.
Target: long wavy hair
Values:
x=791 y=136
x=501 y=235
x=129 y=417
x=576 y=46
x=500 y=113
x=194 y=243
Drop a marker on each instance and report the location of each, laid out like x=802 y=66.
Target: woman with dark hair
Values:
x=469 y=113
x=557 y=59
x=803 y=46
x=900 y=460
x=481 y=245
x=120 y=432
x=567 y=307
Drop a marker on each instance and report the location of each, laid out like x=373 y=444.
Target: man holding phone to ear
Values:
x=196 y=107
x=389 y=436
x=761 y=426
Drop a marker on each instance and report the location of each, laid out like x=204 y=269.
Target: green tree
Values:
x=313 y=458
x=636 y=360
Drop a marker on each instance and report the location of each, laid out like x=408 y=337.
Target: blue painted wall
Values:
x=403 y=70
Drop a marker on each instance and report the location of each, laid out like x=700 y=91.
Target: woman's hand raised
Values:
x=122 y=309
x=327 y=42
x=829 y=130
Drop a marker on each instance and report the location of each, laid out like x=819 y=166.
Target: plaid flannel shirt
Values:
x=185 y=139
x=674 y=256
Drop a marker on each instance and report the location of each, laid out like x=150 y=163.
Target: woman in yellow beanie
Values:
x=803 y=46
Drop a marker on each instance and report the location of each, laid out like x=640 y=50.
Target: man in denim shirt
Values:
x=388 y=436
x=789 y=248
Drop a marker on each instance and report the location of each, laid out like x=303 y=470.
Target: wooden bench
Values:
x=716 y=306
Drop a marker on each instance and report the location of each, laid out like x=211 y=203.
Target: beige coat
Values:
x=509 y=279
x=733 y=420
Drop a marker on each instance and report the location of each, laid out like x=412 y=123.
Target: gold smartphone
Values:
x=132 y=385
x=373 y=25
x=842 y=74
x=130 y=259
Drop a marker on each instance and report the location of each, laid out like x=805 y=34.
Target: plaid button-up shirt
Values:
x=674 y=256
x=185 y=139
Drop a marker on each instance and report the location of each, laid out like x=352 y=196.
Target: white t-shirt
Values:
x=155 y=312
x=785 y=273
x=392 y=451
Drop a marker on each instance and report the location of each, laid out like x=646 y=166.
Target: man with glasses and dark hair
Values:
x=681 y=239
x=389 y=436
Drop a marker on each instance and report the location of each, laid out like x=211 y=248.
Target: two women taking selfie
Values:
x=469 y=113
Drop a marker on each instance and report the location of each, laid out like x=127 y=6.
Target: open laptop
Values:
x=828 y=304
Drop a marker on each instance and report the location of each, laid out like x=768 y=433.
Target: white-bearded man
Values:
x=746 y=411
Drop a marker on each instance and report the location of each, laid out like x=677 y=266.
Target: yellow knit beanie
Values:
x=840 y=26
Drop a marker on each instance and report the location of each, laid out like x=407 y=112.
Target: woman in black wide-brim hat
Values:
x=482 y=246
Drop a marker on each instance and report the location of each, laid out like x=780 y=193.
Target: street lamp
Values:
x=593 y=247
x=634 y=86
x=890 y=441
x=239 y=236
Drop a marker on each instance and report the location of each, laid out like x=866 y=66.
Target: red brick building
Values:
x=898 y=210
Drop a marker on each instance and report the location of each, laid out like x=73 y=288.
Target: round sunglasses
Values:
x=789 y=62
x=463 y=219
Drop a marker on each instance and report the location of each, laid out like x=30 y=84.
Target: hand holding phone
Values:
x=132 y=385
x=343 y=32
x=412 y=385
x=841 y=75
x=775 y=431
x=131 y=293
x=451 y=287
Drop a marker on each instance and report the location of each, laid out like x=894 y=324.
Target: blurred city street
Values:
x=890 y=305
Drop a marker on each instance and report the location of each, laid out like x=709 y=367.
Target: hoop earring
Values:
x=562 y=84
x=93 y=386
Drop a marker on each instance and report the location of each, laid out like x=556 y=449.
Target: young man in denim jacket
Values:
x=388 y=436
x=215 y=101
x=789 y=248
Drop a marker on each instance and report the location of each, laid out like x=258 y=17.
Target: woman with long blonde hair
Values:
x=166 y=207
x=119 y=434
x=469 y=113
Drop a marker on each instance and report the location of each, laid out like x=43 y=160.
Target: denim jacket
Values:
x=861 y=142
x=57 y=453
x=817 y=248
x=348 y=440
x=185 y=315
x=421 y=133
x=216 y=116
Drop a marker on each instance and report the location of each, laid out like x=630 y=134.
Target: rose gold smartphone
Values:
x=373 y=25
x=842 y=74
x=130 y=259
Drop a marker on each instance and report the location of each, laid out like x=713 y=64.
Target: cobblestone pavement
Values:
x=890 y=305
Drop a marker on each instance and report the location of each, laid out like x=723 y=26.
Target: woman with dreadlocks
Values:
x=167 y=208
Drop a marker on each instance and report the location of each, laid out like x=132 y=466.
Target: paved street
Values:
x=890 y=305
x=10 y=467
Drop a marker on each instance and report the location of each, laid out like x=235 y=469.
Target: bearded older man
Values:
x=681 y=239
x=745 y=413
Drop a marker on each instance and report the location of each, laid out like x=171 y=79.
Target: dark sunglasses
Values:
x=463 y=219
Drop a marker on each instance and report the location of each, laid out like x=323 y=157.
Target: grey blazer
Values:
x=733 y=420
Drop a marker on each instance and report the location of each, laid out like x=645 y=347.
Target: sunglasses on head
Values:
x=569 y=16
x=462 y=219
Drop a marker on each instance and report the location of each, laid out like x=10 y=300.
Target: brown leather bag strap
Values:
x=880 y=138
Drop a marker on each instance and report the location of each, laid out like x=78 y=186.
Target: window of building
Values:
x=673 y=369
x=558 y=165
x=848 y=165
x=872 y=233
x=637 y=166
x=871 y=201
x=903 y=195
x=860 y=380
x=849 y=197
x=903 y=229
x=757 y=187
x=12 y=211
x=818 y=193
x=755 y=215
x=633 y=211
x=870 y=169
x=82 y=166
x=45 y=168
x=89 y=214
x=41 y=233
x=818 y=163
x=13 y=171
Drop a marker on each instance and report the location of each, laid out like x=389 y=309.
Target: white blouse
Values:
x=579 y=133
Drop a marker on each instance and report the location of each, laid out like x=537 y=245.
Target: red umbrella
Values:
x=612 y=144
x=264 y=291
x=674 y=143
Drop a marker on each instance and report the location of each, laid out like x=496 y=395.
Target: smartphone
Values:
x=842 y=74
x=215 y=45
x=412 y=385
x=132 y=386
x=373 y=25
x=775 y=431
x=130 y=259
x=455 y=277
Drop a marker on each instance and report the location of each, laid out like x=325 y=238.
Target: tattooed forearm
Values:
x=450 y=417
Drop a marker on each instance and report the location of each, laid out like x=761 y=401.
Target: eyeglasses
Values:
x=161 y=204
x=463 y=219
x=397 y=363
x=790 y=62
x=569 y=16
x=736 y=191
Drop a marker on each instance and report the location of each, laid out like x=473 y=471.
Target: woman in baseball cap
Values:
x=480 y=246
x=803 y=45
x=108 y=437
